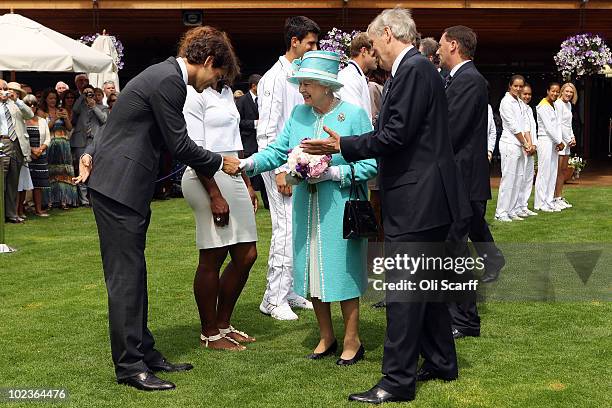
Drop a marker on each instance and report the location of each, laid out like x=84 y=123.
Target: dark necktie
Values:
x=386 y=88
x=448 y=81
x=9 y=120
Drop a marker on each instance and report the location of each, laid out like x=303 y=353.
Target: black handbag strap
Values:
x=356 y=188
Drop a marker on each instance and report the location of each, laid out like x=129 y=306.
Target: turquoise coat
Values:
x=341 y=262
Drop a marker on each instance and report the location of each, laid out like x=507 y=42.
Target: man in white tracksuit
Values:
x=276 y=100
x=353 y=76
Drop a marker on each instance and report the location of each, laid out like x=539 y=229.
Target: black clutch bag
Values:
x=359 y=220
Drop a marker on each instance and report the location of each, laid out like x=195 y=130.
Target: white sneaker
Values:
x=529 y=212
x=298 y=301
x=557 y=205
x=515 y=217
x=523 y=214
x=283 y=312
x=564 y=201
x=546 y=208
x=502 y=218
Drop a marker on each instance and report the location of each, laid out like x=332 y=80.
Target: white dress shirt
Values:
x=456 y=67
x=213 y=120
x=399 y=59
x=183 y=68
x=532 y=126
x=355 y=90
x=514 y=117
x=492 y=130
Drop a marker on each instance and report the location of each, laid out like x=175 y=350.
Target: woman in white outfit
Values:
x=563 y=105
x=550 y=143
x=225 y=218
x=514 y=143
x=527 y=187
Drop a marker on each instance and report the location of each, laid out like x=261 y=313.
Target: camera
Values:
x=5 y=93
x=89 y=94
x=59 y=104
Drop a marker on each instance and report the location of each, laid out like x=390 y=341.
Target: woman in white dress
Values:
x=569 y=97
x=550 y=143
x=514 y=144
x=224 y=209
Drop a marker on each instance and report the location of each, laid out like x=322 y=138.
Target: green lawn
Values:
x=54 y=326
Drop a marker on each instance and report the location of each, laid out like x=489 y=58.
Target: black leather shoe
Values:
x=147 y=381
x=330 y=350
x=457 y=334
x=358 y=356
x=426 y=375
x=376 y=395
x=490 y=276
x=165 y=365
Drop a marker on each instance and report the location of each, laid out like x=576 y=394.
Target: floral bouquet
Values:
x=582 y=55
x=303 y=166
x=577 y=163
x=89 y=39
x=338 y=41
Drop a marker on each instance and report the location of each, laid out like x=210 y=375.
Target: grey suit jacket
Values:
x=81 y=114
x=147 y=116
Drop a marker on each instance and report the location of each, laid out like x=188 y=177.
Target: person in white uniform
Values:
x=550 y=142
x=529 y=171
x=223 y=207
x=276 y=100
x=563 y=105
x=514 y=144
x=491 y=133
x=353 y=77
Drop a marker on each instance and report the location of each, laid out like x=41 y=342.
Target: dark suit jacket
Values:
x=248 y=115
x=467 y=119
x=147 y=116
x=420 y=184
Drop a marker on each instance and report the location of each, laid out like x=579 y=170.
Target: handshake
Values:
x=231 y=165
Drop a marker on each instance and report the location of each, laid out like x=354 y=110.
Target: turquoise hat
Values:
x=320 y=66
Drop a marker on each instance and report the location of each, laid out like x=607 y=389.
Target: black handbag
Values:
x=359 y=220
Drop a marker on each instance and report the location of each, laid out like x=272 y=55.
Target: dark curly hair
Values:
x=202 y=42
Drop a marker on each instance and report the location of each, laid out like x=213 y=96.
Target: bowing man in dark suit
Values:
x=249 y=117
x=121 y=167
x=421 y=196
x=466 y=92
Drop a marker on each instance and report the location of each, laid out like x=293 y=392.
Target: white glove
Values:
x=332 y=173
x=247 y=164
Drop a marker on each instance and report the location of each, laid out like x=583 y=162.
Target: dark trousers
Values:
x=122 y=233
x=12 y=160
x=415 y=328
x=465 y=314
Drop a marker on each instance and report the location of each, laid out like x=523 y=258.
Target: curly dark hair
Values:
x=43 y=99
x=200 y=43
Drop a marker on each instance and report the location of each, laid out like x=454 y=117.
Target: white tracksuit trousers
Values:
x=512 y=167
x=548 y=161
x=280 y=259
x=525 y=189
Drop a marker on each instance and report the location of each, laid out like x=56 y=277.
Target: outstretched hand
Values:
x=85 y=165
x=231 y=165
x=330 y=145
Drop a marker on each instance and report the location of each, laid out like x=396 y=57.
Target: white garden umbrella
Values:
x=104 y=44
x=29 y=46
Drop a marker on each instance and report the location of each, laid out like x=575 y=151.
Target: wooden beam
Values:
x=311 y=4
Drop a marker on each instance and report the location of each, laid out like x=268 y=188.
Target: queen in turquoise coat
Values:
x=326 y=267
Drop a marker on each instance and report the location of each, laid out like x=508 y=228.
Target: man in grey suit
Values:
x=87 y=118
x=121 y=166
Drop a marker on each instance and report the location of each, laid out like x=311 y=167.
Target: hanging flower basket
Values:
x=338 y=41
x=582 y=55
x=90 y=38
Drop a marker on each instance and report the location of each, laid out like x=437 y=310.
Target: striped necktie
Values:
x=9 y=120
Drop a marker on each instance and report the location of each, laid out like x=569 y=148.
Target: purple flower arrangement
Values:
x=338 y=41
x=89 y=39
x=582 y=55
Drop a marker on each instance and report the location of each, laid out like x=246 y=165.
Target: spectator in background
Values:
x=81 y=81
x=68 y=99
x=60 y=88
x=99 y=96
x=63 y=192
x=87 y=117
x=563 y=105
x=237 y=95
x=110 y=101
x=109 y=88
x=40 y=139
x=249 y=118
x=529 y=172
x=15 y=144
x=27 y=89
x=429 y=48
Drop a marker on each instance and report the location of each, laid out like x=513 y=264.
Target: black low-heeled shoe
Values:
x=358 y=356
x=330 y=350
